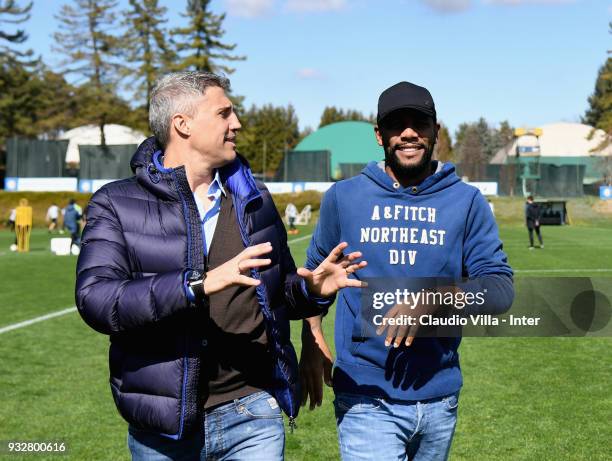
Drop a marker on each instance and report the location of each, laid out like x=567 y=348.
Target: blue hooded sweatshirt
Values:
x=442 y=227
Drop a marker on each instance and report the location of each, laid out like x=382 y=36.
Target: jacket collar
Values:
x=151 y=174
x=238 y=178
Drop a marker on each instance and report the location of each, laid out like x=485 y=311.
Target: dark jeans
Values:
x=75 y=235
x=537 y=230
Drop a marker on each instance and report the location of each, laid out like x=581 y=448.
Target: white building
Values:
x=90 y=135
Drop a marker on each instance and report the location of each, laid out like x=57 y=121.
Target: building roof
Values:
x=559 y=140
x=90 y=135
x=348 y=142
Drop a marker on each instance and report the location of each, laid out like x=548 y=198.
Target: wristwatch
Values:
x=195 y=279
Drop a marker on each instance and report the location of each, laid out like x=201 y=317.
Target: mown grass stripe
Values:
x=537 y=271
x=42 y=318
x=68 y=310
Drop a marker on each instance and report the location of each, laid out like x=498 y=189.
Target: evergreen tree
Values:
x=92 y=53
x=599 y=113
x=490 y=138
x=56 y=108
x=12 y=13
x=332 y=114
x=487 y=138
x=305 y=132
x=505 y=135
x=460 y=134
x=444 y=150
x=15 y=100
x=120 y=111
x=34 y=102
x=199 y=45
x=471 y=152
x=268 y=132
x=147 y=51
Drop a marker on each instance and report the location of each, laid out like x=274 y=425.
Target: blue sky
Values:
x=528 y=61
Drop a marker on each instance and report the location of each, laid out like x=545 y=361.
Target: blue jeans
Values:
x=373 y=429
x=250 y=428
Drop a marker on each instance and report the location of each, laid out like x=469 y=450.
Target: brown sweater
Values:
x=236 y=360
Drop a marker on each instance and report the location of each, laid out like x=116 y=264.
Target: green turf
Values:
x=527 y=398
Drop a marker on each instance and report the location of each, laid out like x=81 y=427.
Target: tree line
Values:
x=599 y=113
x=114 y=56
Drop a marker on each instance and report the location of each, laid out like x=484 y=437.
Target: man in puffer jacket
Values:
x=186 y=266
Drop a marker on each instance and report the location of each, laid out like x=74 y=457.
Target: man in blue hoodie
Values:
x=397 y=396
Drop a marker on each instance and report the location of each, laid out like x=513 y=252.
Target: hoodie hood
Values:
x=444 y=177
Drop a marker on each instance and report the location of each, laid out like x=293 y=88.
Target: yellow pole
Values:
x=23 y=225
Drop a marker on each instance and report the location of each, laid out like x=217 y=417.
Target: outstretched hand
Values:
x=333 y=273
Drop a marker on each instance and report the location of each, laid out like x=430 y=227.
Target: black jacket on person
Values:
x=532 y=214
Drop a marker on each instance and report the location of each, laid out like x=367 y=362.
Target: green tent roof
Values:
x=348 y=142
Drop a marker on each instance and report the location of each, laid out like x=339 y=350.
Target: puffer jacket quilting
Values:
x=142 y=235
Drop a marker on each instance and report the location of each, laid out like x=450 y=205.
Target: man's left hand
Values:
x=333 y=273
x=316 y=363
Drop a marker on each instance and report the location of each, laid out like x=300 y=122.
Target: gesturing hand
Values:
x=233 y=271
x=333 y=273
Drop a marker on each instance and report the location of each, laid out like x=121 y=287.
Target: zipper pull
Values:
x=292 y=425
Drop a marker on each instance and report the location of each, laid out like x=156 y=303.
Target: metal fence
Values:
x=109 y=162
x=298 y=166
x=33 y=158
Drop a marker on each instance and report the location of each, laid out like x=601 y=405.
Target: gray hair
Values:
x=176 y=93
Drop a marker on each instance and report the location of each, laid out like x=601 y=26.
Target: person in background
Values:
x=72 y=222
x=291 y=212
x=532 y=219
x=11 y=220
x=52 y=216
x=11 y=225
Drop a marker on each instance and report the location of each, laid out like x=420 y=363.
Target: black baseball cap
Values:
x=405 y=95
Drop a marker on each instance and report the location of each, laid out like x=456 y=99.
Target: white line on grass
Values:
x=535 y=271
x=299 y=239
x=42 y=318
x=51 y=315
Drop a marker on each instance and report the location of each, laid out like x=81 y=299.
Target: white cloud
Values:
x=528 y=2
x=315 y=5
x=448 y=6
x=308 y=73
x=454 y=6
x=249 y=8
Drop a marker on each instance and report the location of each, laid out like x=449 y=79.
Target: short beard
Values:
x=410 y=171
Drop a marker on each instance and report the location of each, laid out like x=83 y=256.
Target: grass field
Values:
x=523 y=399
